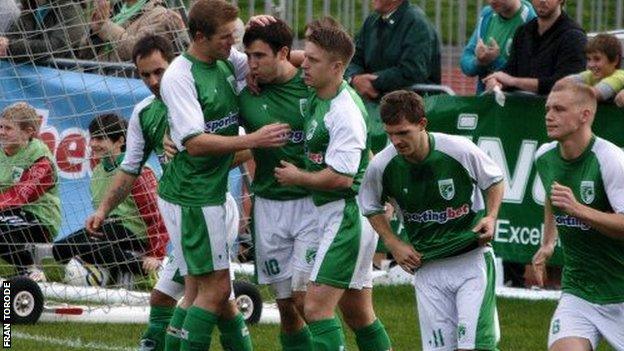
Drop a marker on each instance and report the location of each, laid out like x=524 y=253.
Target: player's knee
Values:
x=282 y=290
x=159 y=298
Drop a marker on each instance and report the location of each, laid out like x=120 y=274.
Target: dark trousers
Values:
x=17 y=228
x=117 y=248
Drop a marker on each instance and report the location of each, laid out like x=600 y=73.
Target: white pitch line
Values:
x=75 y=343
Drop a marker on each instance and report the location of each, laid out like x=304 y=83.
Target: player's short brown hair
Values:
x=399 y=105
x=325 y=21
x=607 y=44
x=206 y=16
x=24 y=115
x=335 y=41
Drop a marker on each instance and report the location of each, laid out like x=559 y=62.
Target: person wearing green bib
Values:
x=30 y=209
x=583 y=181
x=134 y=231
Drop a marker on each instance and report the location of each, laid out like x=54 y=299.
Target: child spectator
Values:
x=30 y=209
x=604 y=55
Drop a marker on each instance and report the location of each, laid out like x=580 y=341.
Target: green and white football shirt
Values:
x=146 y=130
x=439 y=199
x=593 y=263
x=200 y=98
x=277 y=103
x=336 y=138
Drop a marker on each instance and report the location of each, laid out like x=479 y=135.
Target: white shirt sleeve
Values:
x=482 y=168
x=371 y=190
x=241 y=68
x=185 y=113
x=611 y=159
x=135 y=143
x=347 y=138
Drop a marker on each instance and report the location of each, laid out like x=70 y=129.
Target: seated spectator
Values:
x=490 y=43
x=396 y=48
x=44 y=28
x=125 y=240
x=30 y=209
x=604 y=55
x=9 y=12
x=113 y=35
x=543 y=51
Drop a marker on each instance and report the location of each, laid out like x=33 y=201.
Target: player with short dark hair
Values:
x=436 y=181
x=284 y=218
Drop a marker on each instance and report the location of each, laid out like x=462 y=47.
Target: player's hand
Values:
x=405 y=255
x=287 y=173
x=563 y=198
x=151 y=264
x=485 y=229
x=363 y=84
x=252 y=84
x=271 y=135
x=260 y=20
x=94 y=222
x=619 y=99
x=169 y=147
x=539 y=263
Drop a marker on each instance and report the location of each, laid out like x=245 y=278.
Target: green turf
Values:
x=523 y=325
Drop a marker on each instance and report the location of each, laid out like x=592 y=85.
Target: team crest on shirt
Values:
x=303 y=106
x=311 y=130
x=447 y=188
x=588 y=192
x=232 y=81
x=16 y=174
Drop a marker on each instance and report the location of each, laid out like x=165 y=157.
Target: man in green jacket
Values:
x=396 y=48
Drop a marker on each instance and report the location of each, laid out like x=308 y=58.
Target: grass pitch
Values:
x=524 y=326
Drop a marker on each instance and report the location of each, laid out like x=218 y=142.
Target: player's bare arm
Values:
x=547 y=248
x=404 y=254
x=272 y=135
x=493 y=200
x=327 y=179
x=609 y=224
x=119 y=189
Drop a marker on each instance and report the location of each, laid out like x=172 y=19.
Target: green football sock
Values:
x=327 y=335
x=172 y=338
x=234 y=334
x=154 y=337
x=373 y=338
x=197 y=329
x=298 y=341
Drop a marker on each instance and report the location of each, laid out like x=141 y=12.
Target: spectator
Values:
x=30 y=209
x=113 y=35
x=44 y=28
x=130 y=234
x=604 y=55
x=490 y=43
x=543 y=51
x=9 y=12
x=396 y=48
